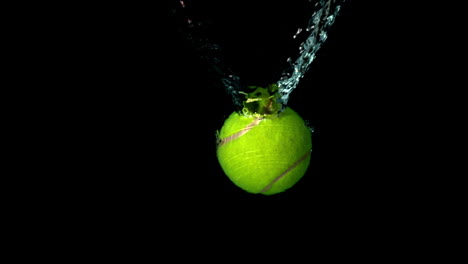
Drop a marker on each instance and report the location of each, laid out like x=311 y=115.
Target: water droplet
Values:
x=299 y=30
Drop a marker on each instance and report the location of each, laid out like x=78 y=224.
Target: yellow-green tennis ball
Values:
x=265 y=155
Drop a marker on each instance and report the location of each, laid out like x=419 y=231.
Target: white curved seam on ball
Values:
x=241 y=132
x=268 y=187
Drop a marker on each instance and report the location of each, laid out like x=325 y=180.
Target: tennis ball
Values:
x=264 y=154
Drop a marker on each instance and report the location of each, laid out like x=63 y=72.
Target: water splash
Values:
x=325 y=12
x=319 y=23
x=210 y=53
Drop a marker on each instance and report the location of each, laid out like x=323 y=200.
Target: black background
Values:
x=131 y=124
x=122 y=150
x=154 y=109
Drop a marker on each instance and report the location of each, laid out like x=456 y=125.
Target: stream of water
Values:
x=322 y=18
x=323 y=15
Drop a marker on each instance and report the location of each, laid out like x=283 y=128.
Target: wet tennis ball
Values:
x=264 y=154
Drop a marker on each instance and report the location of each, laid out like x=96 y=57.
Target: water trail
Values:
x=323 y=16
x=210 y=53
x=321 y=20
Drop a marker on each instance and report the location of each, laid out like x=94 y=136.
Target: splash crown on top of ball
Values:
x=262 y=102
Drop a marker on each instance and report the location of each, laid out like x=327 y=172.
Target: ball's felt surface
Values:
x=265 y=155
